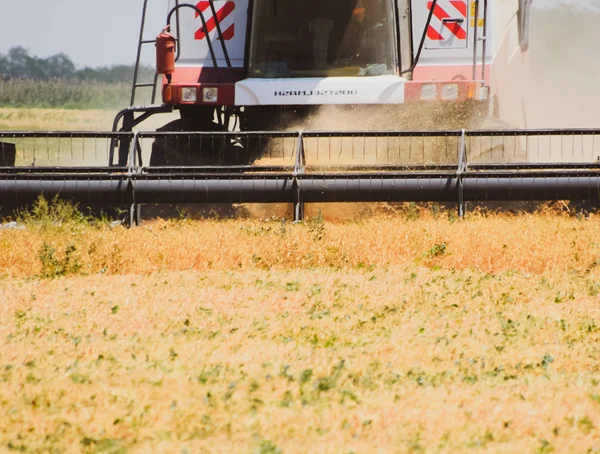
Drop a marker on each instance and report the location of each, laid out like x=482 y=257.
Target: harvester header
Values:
x=319 y=101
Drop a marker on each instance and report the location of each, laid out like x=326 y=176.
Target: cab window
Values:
x=321 y=38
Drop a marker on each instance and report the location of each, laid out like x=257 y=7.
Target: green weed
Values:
x=54 y=266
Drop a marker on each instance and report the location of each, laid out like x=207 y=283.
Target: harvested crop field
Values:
x=414 y=332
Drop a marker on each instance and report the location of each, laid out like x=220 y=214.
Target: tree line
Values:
x=18 y=63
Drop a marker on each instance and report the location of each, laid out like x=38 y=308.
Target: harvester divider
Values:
x=61 y=170
x=212 y=170
x=539 y=166
x=301 y=167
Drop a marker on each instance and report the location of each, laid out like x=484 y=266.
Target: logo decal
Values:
x=224 y=10
x=316 y=93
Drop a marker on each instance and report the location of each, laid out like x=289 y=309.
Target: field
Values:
x=409 y=332
x=63 y=94
x=37 y=119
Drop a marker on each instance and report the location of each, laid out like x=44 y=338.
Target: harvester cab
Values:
x=260 y=59
x=276 y=65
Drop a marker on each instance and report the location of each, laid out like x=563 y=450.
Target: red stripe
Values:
x=461 y=6
x=211 y=24
x=455 y=28
x=433 y=35
x=202 y=6
x=229 y=33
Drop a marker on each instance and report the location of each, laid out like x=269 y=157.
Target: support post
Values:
x=124 y=144
x=134 y=215
x=462 y=167
x=299 y=168
x=134 y=169
x=8 y=154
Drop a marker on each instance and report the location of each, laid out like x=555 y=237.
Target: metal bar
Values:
x=60 y=170
x=216 y=170
x=128 y=124
x=307 y=134
x=535 y=188
x=105 y=190
x=475 y=38
x=211 y=50
x=532 y=132
x=232 y=134
x=134 y=208
x=177 y=24
x=219 y=33
x=541 y=166
x=63 y=134
x=462 y=168
x=299 y=169
x=308 y=168
x=308 y=188
x=359 y=189
x=139 y=53
x=153 y=85
x=484 y=54
x=384 y=188
x=132 y=158
x=417 y=56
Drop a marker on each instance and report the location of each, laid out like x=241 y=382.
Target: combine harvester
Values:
x=423 y=100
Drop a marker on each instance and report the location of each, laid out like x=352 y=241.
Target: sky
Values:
x=105 y=32
x=91 y=32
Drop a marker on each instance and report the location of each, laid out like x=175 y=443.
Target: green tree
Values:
x=19 y=64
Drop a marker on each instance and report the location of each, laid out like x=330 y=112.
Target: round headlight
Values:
x=210 y=94
x=188 y=94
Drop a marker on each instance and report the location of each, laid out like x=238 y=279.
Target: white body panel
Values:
x=455 y=51
x=445 y=57
x=315 y=91
x=194 y=45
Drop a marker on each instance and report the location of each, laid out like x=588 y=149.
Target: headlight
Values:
x=188 y=94
x=428 y=92
x=210 y=94
x=450 y=92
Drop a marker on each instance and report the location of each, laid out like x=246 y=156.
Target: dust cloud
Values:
x=564 y=91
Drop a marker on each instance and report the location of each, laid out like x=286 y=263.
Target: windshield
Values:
x=321 y=38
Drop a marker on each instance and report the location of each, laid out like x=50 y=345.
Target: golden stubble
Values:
x=36 y=119
x=489 y=243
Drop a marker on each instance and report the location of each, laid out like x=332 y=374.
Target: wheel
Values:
x=196 y=151
x=175 y=151
x=8 y=155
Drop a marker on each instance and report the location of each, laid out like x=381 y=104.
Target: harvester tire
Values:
x=198 y=151
x=172 y=151
x=8 y=155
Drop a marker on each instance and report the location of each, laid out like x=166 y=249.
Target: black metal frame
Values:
x=133 y=183
x=141 y=43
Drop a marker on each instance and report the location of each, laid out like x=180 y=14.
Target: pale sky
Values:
x=105 y=32
x=91 y=32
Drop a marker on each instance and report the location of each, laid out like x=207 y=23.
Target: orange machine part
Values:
x=165 y=54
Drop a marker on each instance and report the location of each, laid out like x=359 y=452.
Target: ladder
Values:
x=141 y=43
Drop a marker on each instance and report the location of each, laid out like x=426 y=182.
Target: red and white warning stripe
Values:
x=225 y=17
x=448 y=31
